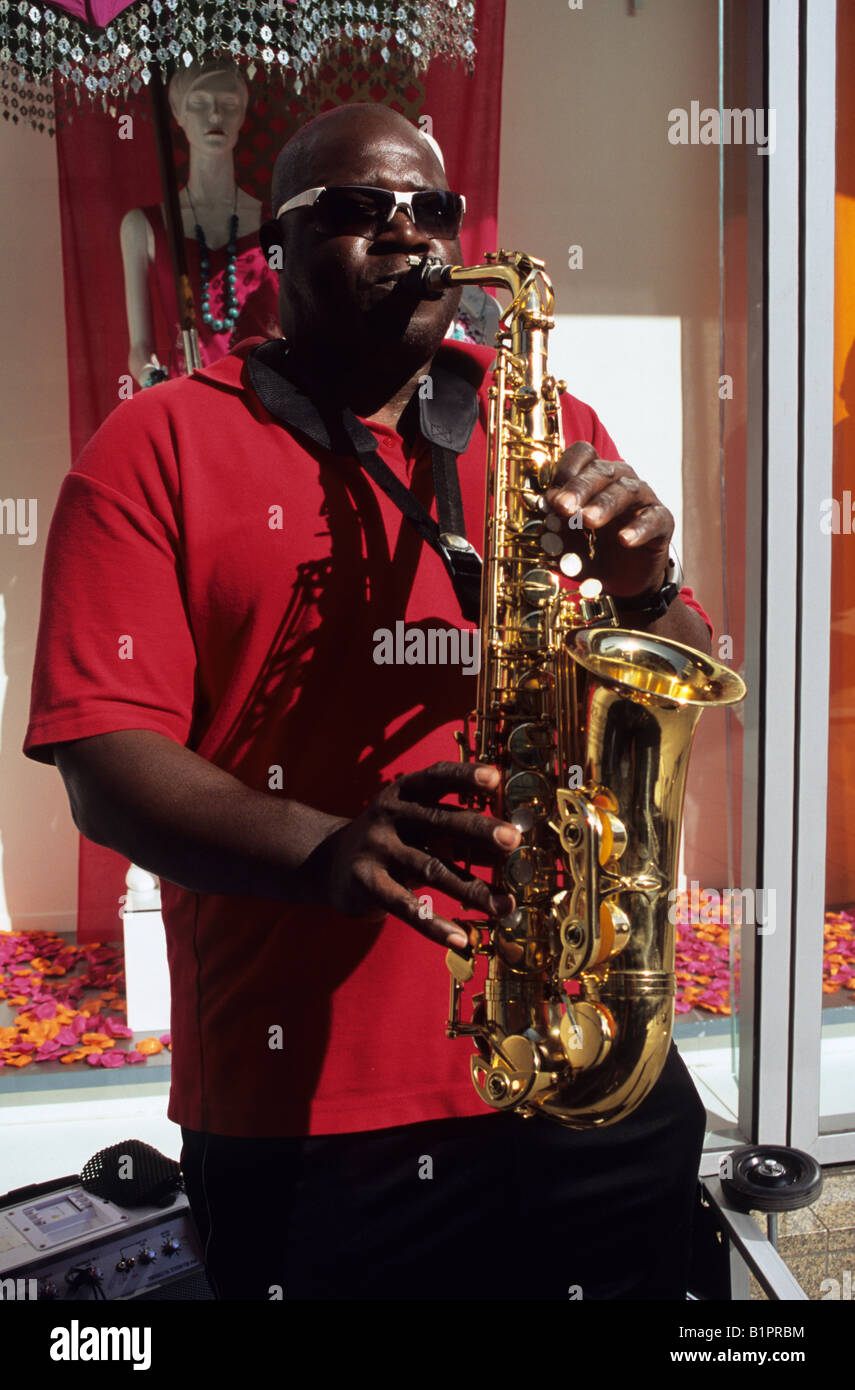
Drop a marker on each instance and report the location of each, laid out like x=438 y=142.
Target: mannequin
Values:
x=209 y=103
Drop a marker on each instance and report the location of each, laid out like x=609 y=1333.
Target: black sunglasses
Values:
x=353 y=210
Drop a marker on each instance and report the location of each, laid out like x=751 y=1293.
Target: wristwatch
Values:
x=654 y=603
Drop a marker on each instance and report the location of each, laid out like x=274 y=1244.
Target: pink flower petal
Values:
x=116 y=1029
x=114 y=1058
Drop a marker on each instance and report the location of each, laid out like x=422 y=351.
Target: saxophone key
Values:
x=551 y=544
x=530 y=632
x=532 y=695
x=587 y=1032
x=512 y=939
x=528 y=796
x=539 y=587
x=612 y=837
x=525 y=398
x=615 y=930
x=542 y=468
x=532 y=746
x=531 y=500
x=530 y=536
x=570 y=564
x=514 y=1070
x=520 y=868
x=460 y=969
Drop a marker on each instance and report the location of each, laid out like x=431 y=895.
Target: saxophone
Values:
x=591 y=727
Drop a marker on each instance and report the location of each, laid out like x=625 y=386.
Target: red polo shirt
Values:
x=212 y=578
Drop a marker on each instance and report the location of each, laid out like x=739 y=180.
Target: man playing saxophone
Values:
x=292 y=793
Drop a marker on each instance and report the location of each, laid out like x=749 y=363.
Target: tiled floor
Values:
x=818 y=1242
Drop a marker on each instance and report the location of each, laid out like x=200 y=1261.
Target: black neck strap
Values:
x=447 y=418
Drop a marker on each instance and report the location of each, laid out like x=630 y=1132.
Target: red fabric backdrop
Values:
x=101 y=176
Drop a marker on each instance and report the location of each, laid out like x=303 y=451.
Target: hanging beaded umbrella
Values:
x=53 y=57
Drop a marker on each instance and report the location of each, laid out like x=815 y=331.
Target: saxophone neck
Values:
x=514 y=271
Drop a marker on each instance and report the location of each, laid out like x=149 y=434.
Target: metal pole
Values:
x=174 y=227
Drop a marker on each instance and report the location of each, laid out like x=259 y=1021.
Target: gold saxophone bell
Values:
x=591 y=726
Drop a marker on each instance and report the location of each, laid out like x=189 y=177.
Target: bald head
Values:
x=337 y=137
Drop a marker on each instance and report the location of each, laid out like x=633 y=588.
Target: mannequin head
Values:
x=209 y=101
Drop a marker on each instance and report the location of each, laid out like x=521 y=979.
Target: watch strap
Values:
x=650 y=605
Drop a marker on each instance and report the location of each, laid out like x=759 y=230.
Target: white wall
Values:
x=632 y=366
x=585 y=161
x=38 y=841
x=585 y=157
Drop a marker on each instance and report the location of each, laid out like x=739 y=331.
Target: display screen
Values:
x=61 y=1216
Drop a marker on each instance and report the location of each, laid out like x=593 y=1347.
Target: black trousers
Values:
x=489 y=1206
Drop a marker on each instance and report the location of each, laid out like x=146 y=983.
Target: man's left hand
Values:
x=632 y=528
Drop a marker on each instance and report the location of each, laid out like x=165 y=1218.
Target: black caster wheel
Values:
x=769 y=1177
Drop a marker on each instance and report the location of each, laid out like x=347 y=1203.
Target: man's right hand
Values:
x=404 y=839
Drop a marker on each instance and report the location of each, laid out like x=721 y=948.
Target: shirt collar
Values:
x=448 y=411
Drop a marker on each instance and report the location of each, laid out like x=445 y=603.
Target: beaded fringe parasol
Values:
x=51 y=61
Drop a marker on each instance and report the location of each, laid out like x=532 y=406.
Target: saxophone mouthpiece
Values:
x=429 y=276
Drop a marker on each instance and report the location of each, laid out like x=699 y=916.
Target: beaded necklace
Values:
x=230 y=302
